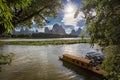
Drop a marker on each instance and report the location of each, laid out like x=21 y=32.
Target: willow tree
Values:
x=103 y=25
x=22 y=12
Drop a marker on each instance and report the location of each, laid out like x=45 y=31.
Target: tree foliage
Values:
x=112 y=62
x=21 y=12
x=39 y=10
x=104 y=27
x=6 y=9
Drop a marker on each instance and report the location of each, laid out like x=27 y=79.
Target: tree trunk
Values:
x=2 y=29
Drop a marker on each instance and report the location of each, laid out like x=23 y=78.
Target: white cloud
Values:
x=68 y=0
x=93 y=12
x=69 y=12
x=42 y=29
x=68 y=30
x=33 y=21
x=49 y=26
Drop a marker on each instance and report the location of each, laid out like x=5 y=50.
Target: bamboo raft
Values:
x=83 y=63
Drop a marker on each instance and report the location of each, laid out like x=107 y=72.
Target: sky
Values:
x=66 y=17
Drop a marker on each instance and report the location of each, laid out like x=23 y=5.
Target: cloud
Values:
x=69 y=26
x=49 y=26
x=93 y=12
x=68 y=30
x=68 y=0
x=81 y=23
x=69 y=12
x=33 y=21
x=42 y=29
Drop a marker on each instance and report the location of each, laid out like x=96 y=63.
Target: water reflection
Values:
x=80 y=49
x=83 y=72
x=42 y=62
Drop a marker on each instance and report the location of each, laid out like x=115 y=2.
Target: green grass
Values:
x=53 y=42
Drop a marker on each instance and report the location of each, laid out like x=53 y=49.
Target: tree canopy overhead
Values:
x=103 y=21
x=6 y=15
x=21 y=12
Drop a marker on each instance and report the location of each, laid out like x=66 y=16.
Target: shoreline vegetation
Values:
x=6 y=59
x=53 y=42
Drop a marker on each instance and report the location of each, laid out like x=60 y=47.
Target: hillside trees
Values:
x=22 y=12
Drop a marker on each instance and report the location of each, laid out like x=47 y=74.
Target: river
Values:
x=42 y=63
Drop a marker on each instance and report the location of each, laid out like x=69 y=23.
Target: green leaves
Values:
x=103 y=27
x=6 y=8
x=112 y=62
x=19 y=3
x=5 y=16
x=21 y=12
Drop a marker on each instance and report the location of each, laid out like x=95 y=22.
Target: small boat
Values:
x=83 y=63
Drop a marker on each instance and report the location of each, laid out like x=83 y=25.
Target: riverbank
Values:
x=52 y=42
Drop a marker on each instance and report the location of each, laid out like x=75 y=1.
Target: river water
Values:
x=42 y=63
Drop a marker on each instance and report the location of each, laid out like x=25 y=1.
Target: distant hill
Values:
x=57 y=29
x=76 y=33
x=56 y=32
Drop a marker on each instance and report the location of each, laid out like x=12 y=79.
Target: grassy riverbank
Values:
x=53 y=42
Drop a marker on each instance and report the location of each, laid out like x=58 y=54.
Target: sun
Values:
x=69 y=8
